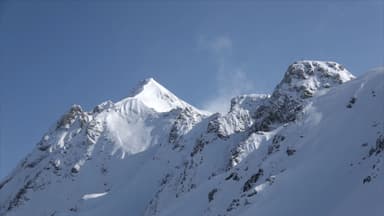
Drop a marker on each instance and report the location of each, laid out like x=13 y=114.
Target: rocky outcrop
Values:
x=302 y=80
x=74 y=113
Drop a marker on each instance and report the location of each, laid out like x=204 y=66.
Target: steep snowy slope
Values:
x=88 y=154
x=313 y=147
x=328 y=161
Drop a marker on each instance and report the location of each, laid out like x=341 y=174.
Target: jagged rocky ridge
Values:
x=312 y=147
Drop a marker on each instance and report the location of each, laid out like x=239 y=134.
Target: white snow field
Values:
x=314 y=146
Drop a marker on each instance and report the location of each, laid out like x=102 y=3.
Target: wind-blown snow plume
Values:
x=231 y=80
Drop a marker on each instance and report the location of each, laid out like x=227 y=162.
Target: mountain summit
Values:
x=315 y=146
x=156 y=97
x=304 y=78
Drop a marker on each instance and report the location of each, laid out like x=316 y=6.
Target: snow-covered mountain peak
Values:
x=146 y=83
x=304 y=78
x=302 y=81
x=155 y=96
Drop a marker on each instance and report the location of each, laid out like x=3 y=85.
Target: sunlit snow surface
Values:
x=93 y=196
x=154 y=154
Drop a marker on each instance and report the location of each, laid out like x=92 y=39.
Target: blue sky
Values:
x=57 y=53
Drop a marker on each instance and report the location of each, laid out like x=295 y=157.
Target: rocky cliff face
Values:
x=312 y=147
x=302 y=81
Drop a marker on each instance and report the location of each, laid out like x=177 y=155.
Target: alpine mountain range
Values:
x=314 y=146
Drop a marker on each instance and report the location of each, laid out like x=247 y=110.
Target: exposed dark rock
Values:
x=234 y=203
x=93 y=132
x=69 y=118
x=351 y=102
x=235 y=153
x=2 y=184
x=367 y=179
x=33 y=163
x=186 y=119
x=379 y=147
x=275 y=146
x=215 y=126
x=103 y=106
x=199 y=146
x=75 y=169
x=20 y=196
x=211 y=194
x=252 y=180
x=290 y=151
x=233 y=176
x=253 y=193
x=270 y=179
x=278 y=138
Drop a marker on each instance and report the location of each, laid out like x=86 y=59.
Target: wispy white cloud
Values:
x=231 y=80
x=221 y=44
x=220 y=47
x=230 y=83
